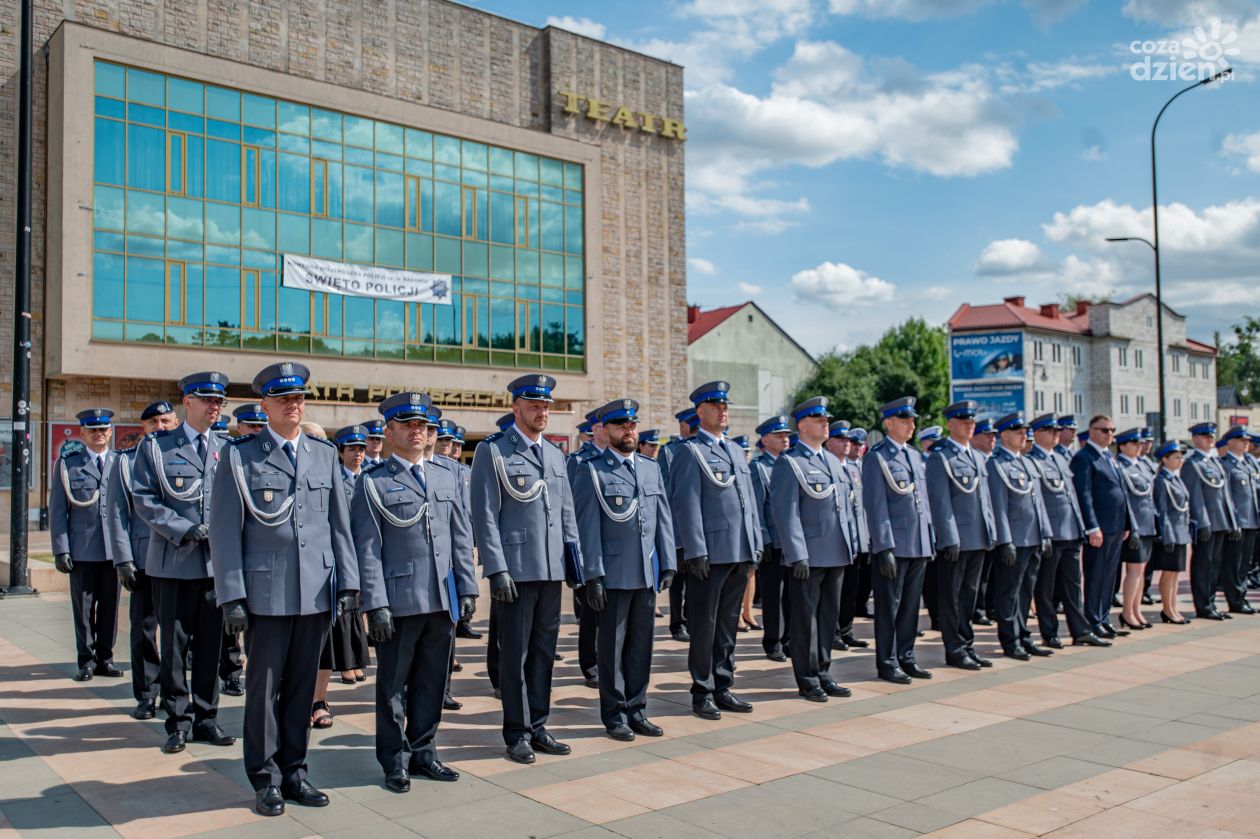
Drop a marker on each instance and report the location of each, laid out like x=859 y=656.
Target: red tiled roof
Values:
x=1199 y=346
x=705 y=322
x=1007 y=314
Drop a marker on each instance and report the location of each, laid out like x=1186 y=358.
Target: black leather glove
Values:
x=949 y=554
x=347 y=602
x=667 y=577
x=1203 y=536
x=380 y=624
x=1006 y=554
x=127 y=575
x=467 y=607
x=196 y=533
x=800 y=571
x=596 y=594
x=1235 y=536
x=1047 y=548
x=1169 y=548
x=502 y=588
x=698 y=567
x=64 y=563
x=1135 y=541
x=886 y=563
x=235 y=618
x=757 y=555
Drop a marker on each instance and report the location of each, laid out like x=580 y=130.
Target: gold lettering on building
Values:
x=598 y=110
x=442 y=397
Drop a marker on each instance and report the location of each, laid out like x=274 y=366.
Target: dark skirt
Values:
x=1164 y=561
x=1143 y=552
x=346 y=645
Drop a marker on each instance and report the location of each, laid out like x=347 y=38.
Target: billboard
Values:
x=65 y=436
x=988 y=355
x=995 y=399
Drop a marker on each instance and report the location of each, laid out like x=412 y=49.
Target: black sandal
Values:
x=325 y=721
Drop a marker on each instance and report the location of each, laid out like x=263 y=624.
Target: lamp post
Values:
x=1154 y=246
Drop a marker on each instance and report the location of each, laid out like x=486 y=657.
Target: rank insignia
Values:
x=966 y=478
x=817 y=487
x=179 y=483
x=268 y=495
x=520 y=482
x=719 y=475
x=1020 y=478
x=618 y=500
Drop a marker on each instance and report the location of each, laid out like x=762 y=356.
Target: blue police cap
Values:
x=1254 y=438
x=220 y=424
x=686 y=414
x=711 y=392
x=406 y=406
x=694 y=421
x=1066 y=421
x=813 y=407
x=95 y=417
x=250 y=412
x=505 y=421
x=984 y=426
x=903 y=407
x=584 y=427
x=1235 y=432
x=930 y=434
x=535 y=386
x=741 y=441
x=652 y=437
x=773 y=425
x=1220 y=444
x=966 y=409
x=1129 y=435
x=446 y=430
x=1010 y=422
x=1043 y=422
x=156 y=409
x=839 y=428
x=1171 y=447
x=435 y=414
x=1083 y=435
x=793 y=439
x=459 y=434
x=1029 y=435
x=592 y=416
x=209 y=384
x=1147 y=434
x=1207 y=429
x=350 y=435
x=619 y=410
x=375 y=428
x=282 y=379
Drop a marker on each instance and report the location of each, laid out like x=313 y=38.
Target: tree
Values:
x=1238 y=362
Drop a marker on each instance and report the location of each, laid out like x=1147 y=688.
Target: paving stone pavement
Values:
x=1158 y=735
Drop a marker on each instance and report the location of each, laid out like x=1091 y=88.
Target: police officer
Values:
x=171 y=487
x=586 y=441
x=346 y=649
x=1066 y=425
x=1139 y=485
x=250 y=418
x=983 y=442
x=1236 y=557
x=809 y=501
x=454 y=436
x=962 y=517
x=284 y=565
x=775 y=608
x=1253 y=457
x=894 y=492
x=688 y=423
x=415 y=566
x=503 y=423
x=127 y=546
x=1172 y=514
x=1212 y=516
x=1024 y=537
x=526 y=534
x=587 y=618
x=628 y=555
x=650 y=443
x=715 y=511
x=375 y=442
x=77 y=515
x=855 y=589
x=927 y=438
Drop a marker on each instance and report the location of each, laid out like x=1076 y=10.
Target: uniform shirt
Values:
x=962 y=509
x=761 y=467
x=894 y=493
x=1058 y=493
x=1211 y=501
x=1018 y=508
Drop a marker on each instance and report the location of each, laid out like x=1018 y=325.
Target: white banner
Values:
x=365 y=280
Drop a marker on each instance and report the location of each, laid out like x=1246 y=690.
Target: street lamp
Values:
x=1154 y=246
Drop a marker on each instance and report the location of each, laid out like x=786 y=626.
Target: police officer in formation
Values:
x=855 y=589
x=1139 y=485
x=688 y=423
x=1172 y=512
x=775 y=608
x=627 y=540
x=375 y=441
x=250 y=419
x=417 y=581
x=650 y=442
x=172 y=487
x=1212 y=516
x=587 y=618
x=1236 y=557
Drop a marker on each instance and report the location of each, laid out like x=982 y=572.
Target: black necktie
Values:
x=288 y=449
x=418 y=474
x=100 y=464
x=537 y=450
x=201 y=448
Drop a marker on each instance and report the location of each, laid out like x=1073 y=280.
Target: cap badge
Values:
x=286 y=368
x=415 y=399
x=542 y=381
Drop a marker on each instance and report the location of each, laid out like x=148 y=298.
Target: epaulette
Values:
x=161 y=432
x=371 y=467
x=588 y=455
x=323 y=440
x=223 y=435
x=127 y=450
x=236 y=441
x=495 y=436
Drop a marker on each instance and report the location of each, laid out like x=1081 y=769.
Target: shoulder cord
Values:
x=275 y=519
x=1045 y=481
x=1198 y=469
x=1128 y=482
x=423 y=513
x=539 y=489
x=65 y=485
x=949 y=472
x=888 y=478
x=805 y=486
x=625 y=515
x=706 y=471
x=1002 y=476
x=1172 y=498
x=167 y=490
x=764 y=473
x=125 y=468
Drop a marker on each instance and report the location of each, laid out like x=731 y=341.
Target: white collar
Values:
x=192 y=433
x=1016 y=455
x=280 y=441
x=808 y=446
x=1101 y=449
x=621 y=458
x=528 y=439
x=713 y=437
x=1047 y=452
x=407 y=464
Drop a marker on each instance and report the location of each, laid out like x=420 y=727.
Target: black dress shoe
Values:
x=1053 y=642
x=647 y=728
x=1210 y=616
x=777 y=655
x=838 y=644
x=1033 y=649
x=558 y=657
x=897 y=676
x=233 y=687
x=465 y=630
x=108 y=668
x=1090 y=640
x=498 y=694
x=836 y=690
x=1116 y=633
x=964 y=663
x=269 y=802
x=1017 y=653
x=853 y=641
x=1244 y=609
x=681 y=635
x=914 y=671
x=983 y=662
x=521 y=752
x=549 y=745
x=591 y=682
x=145 y=710
x=1116 y=601
x=981 y=620
x=211 y=733
x=305 y=794
x=728 y=701
x=620 y=732
x=434 y=770
x=706 y=709
x=174 y=743
x=85 y=673
x=449 y=703
x=1147 y=600
x=814 y=694
x=397 y=781
x=1163 y=618
x=1104 y=630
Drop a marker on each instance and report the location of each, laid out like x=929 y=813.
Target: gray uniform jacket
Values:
x=718 y=522
x=157 y=502
x=126 y=534
x=630 y=554
x=298 y=566
x=79 y=530
x=527 y=539
x=814 y=530
x=587 y=449
x=1211 y=505
x=760 y=467
x=894 y=493
x=1242 y=490
x=417 y=568
x=962 y=509
x=1139 y=486
x=1172 y=508
x=1058 y=493
x=854 y=469
x=1018 y=509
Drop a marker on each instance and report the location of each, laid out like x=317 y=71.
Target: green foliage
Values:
x=909 y=360
x=1238 y=362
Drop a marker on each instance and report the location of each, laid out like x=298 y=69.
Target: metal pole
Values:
x=20 y=466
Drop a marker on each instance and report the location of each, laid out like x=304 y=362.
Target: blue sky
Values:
x=855 y=162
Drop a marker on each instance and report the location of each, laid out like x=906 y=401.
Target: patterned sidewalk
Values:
x=1158 y=735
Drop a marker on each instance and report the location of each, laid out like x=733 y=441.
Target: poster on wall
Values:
x=65 y=437
x=330 y=277
x=995 y=400
x=6 y=454
x=991 y=355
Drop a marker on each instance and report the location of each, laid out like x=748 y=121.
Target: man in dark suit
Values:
x=1104 y=506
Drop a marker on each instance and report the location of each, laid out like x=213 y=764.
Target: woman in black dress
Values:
x=1172 y=511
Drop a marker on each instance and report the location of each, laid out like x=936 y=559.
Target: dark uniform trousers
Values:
x=94 y=592
x=625 y=654
x=1204 y=569
x=776 y=611
x=984 y=597
x=411 y=675
x=528 y=628
x=897 y=612
x=931 y=594
x=588 y=628
x=713 y=608
x=1012 y=594
x=854 y=592
x=230 y=657
x=1059 y=581
x=279 y=689
x=1235 y=562
x=815 y=611
x=190 y=622
x=146 y=662
x=958 y=585
x=492 y=645
x=1101 y=565
x=677 y=598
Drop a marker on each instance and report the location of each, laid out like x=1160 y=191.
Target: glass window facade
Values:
x=200 y=190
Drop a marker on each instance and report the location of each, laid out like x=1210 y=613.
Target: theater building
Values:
x=481 y=198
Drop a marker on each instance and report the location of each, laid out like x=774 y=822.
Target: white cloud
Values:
x=579 y=25
x=1042 y=76
x=837 y=285
x=1189 y=12
x=914 y=10
x=1216 y=230
x=749 y=289
x=1093 y=154
x=936 y=292
x=1003 y=257
x=701 y=266
x=1243 y=145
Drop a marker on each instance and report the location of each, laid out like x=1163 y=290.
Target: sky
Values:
x=853 y=163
